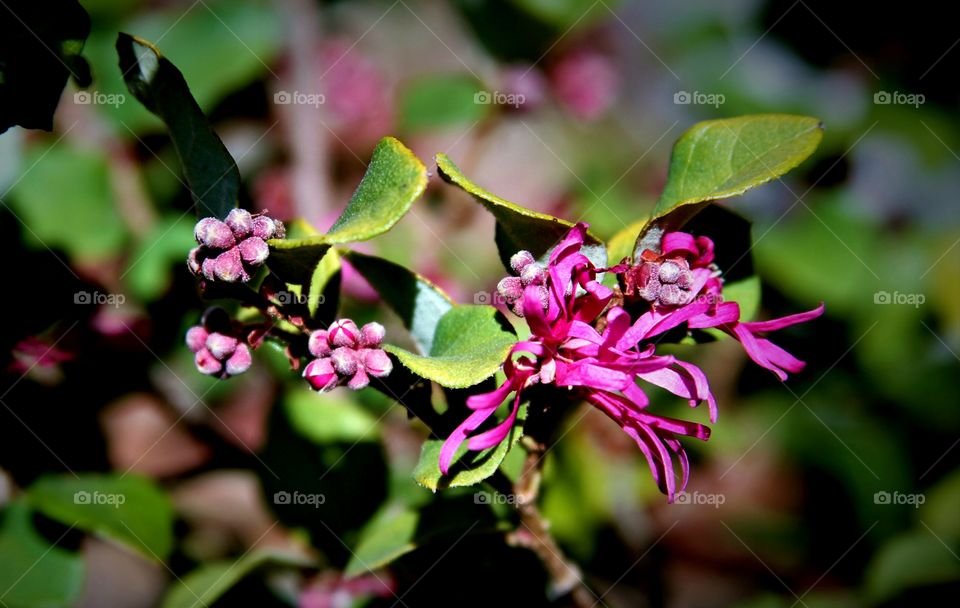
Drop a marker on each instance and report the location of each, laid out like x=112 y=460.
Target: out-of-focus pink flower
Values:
x=357 y=94
x=586 y=82
x=332 y=590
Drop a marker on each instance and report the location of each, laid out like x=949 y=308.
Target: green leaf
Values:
x=388 y=535
x=35 y=574
x=621 y=244
x=915 y=559
x=205 y=585
x=210 y=171
x=394 y=179
x=519 y=228
x=468 y=467
x=442 y=100
x=470 y=345
x=130 y=510
x=718 y=159
x=329 y=418
x=323 y=294
x=67 y=201
x=419 y=303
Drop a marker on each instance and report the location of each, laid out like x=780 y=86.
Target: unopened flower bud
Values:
x=359 y=380
x=669 y=272
x=209 y=269
x=670 y=295
x=318 y=344
x=194 y=260
x=376 y=362
x=533 y=274
x=207 y=363
x=221 y=346
x=240 y=222
x=321 y=375
x=254 y=250
x=371 y=335
x=214 y=234
x=510 y=289
x=229 y=267
x=264 y=227
x=344 y=333
x=520 y=261
x=196 y=338
x=239 y=361
x=344 y=360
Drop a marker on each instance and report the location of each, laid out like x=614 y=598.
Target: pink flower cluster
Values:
x=229 y=250
x=346 y=354
x=603 y=366
x=218 y=354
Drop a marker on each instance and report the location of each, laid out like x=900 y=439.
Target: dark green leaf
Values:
x=387 y=536
x=40 y=44
x=518 y=228
x=419 y=303
x=915 y=559
x=130 y=510
x=34 y=574
x=210 y=171
x=470 y=344
x=206 y=584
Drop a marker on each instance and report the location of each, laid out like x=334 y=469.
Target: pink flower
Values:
x=565 y=349
x=683 y=289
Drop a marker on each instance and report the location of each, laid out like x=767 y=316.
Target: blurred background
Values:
x=841 y=488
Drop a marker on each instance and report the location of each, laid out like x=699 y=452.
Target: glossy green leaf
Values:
x=34 y=574
x=394 y=179
x=130 y=510
x=443 y=100
x=205 y=585
x=67 y=201
x=387 y=536
x=470 y=344
x=323 y=293
x=518 y=228
x=718 y=159
x=210 y=171
x=468 y=467
x=419 y=303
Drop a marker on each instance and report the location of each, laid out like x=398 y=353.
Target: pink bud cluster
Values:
x=528 y=272
x=345 y=352
x=218 y=354
x=229 y=250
